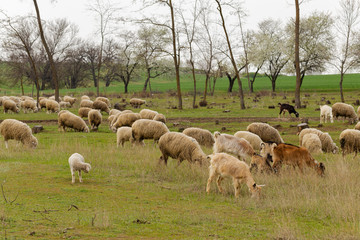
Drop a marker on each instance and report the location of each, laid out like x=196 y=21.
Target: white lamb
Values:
x=77 y=163
x=326 y=114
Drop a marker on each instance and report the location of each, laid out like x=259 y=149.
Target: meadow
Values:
x=128 y=194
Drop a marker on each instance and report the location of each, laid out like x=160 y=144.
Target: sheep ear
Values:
x=262 y=144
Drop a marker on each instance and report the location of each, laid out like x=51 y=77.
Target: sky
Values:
x=76 y=10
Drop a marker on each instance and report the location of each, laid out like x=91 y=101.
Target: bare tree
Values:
x=297 y=54
x=92 y=59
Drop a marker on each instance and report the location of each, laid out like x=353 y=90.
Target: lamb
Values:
x=160 y=117
x=327 y=144
x=224 y=165
x=312 y=143
x=126 y=119
x=350 y=141
x=148 y=129
x=86 y=103
x=326 y=114
x=104 y=100
x=19 y=131
x=52 y=106
x=147 y=114
x=102 y=106
x=266 y=132
x=260 y=163
x=136 y=102
x=124 y=134
x=84 y=111
x=95 y=119
x=64 y=104
x=230 y=144
x=70 y=120
x=344 y=110
x=252 y=138
x=77 y=163
x=10 y=105
x=202 y=136
x=179 y=146
x=291 y=155
x=29 y=105
x=70 y=100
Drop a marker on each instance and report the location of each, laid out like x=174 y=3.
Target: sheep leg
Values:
x=218 y=182
x=80 y=178
x=212 y=175
x=72 y=176
x=6 y=144
x=236 y=187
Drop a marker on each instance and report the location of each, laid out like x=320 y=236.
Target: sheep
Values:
x=53 y=98
x=70 y=100
x=260 y=163
x=95 y=118
x=19 y=131
x=84 y=111
x=84 y=97
x=357 y=126
x=224 y=165
x=202 y=136
x=312 y=142
x=350 y=141
x=252 y=138
x=17 y=100
x=102 y=106
x=326 y=114
x=124 y=134
x=147 y=114
x=266 y=132
x=114 y=112
x=148 y=129
x=104 y=99
x=64 y=104
x=77 y=163
x=344 y=110
x=327 y=144
x=10 y=105
x=126 y=119
x=68 y=119
x=291 y=155
x=2 y=99
x=42 y=102
x=86 y=103
x=29 y=105
x=230 y=144
x=24 y=98
x=181 y=147
x=136 y=102
x=112 y=120
x=52 y=106
x=160 y=117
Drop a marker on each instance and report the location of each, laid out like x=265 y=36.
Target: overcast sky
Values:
x=76 y=10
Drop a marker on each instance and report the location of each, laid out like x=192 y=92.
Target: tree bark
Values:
x=297 y=55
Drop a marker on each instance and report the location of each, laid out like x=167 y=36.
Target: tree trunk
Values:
x=194 y=79
x=341 y=87
x=51 y=60
x=297 y=57
x=273 y=85
x=231 y=82
x=206 y=86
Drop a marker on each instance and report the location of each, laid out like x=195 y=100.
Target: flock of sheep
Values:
x=261 y=144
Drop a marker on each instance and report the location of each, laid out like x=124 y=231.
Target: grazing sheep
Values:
x=77 y=163
x=344 y=110
x=104 y=100
x=84 y=97
x=136 y=102
x=17 y=100
x=114 y=112
x=70 y=120
x=10 y=105
x=102 y=106
x=312 y=143
x=230 y=144
x=148 y=129
x=29 y=105
x=124 y=134
x=224 y=165
x=147 y=114
x=260 y=163
x=350 y=141
x=126 y=119
x=19 y=131
x=24 y=98
x=266 y=132
x=95 y=119
x=53 y=98
x=291 y=155
x=326 y=114
x=2 y=99
x=327 y=144
x=64 y=104
x=84 y=111
x=86 y=103
x=252 y=138
x=202 y=136
x=42 y=102
x=52 y=106
x=179 y=146
x=160 y=117
x=70 y=100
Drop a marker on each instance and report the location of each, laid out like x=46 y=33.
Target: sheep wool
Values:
x=100 y=105
x=104 y=100
x=266 y=132
x=19 y=131
x=326 y=114
x=147 y=114
x=10 y=105
x=137 y=102
x=84 y=111
x=86 y=103
x=350 y=141
x=148 y=129
x=123 y=135
x=114 y=112
x=344 y=110
x=95 y=119
x=70 y=100
x=252 y=138
x=29 y=105
x=52 y=106
x=77 y=164
x=126 y=119
x=160 y=117
x=202 y=136
x=327 y=144
x=312 y=143
x=70 y=120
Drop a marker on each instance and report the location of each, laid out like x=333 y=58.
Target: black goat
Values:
x=284 y=107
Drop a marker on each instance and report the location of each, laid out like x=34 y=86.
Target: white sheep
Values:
x=95 y=119
x=136 y=102
x=84 y=97
x=147 y=114
x=326 y=114
x=64 y=104
x=252 y=138
x=266 y=132
x=350 y=141
x=86 y=103
x=84 y=111
x=124 y=134
x=104 y=100
x=70 y=120
x=70 y=100
x=52 y=106
x=77 y=163
x=124 y=119
x=203 y=136
x=19 y=131
x=100 y=105
x=312 y=143
x=344 y=110
x=224 y=165
x=10 y=105
x=160 y=117
x=148 y=129
x=29 y=105
x=114 y=112
x=327 y=144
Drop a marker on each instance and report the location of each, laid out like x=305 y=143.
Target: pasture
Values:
x=127 y=194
